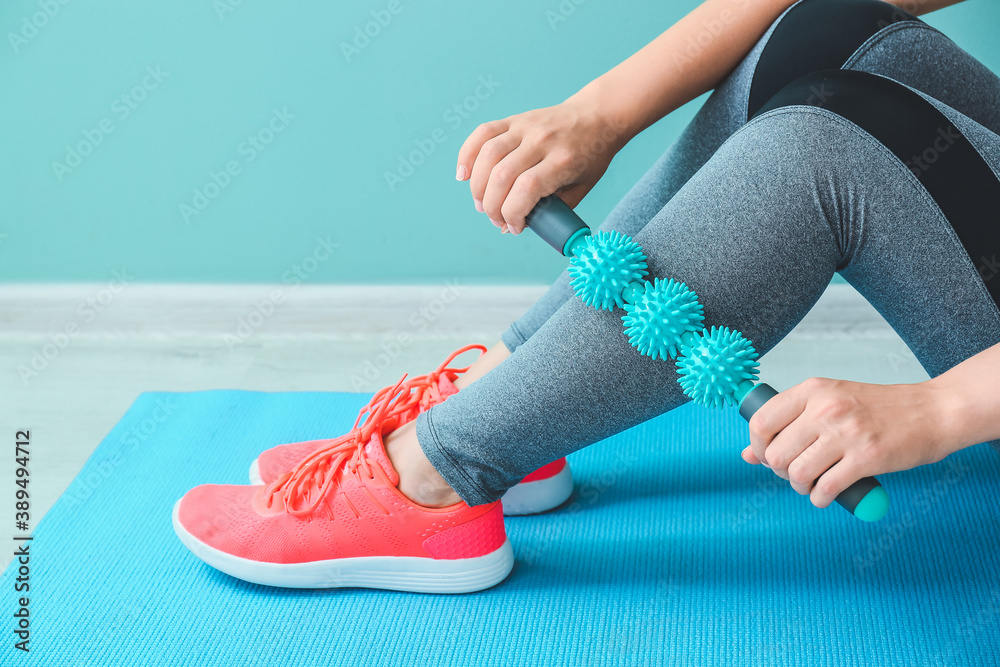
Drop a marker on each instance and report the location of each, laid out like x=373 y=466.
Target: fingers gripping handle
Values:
x=865 y=499
x=557 y=224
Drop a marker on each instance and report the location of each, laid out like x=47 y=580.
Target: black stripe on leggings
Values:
x=951 y=170
x=816 y=35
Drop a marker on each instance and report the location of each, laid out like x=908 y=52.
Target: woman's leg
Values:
x=861 y=35
x=797 y=194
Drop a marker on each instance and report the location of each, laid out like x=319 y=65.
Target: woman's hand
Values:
x=823 y=435
x=514 y=162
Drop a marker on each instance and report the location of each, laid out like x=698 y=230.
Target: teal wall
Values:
x=166 y=93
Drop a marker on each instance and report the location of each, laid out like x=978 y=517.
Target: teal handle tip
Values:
x=873 y=506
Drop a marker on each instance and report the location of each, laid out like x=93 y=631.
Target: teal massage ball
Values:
x=603 y=266
x=661 y=314
x=714 y=365
x=664 y=320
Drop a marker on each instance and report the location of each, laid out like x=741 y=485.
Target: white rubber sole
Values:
x=395 y=573
x=539 y=496
x=255 y=474
x=524 y=498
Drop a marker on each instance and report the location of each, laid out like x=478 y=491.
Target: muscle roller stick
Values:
x=663 y=319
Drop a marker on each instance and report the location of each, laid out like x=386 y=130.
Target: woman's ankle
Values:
x=418 y=479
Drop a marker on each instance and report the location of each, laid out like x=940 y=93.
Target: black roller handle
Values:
x=556 y=223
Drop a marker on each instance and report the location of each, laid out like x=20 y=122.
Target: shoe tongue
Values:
x=374 y=451
x=446 y=386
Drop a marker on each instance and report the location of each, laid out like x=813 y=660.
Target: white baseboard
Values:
x=335 y=312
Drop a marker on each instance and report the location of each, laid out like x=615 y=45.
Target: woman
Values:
x=843 y=136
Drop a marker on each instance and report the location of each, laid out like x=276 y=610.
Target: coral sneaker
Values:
x=542 y=490
x=422 y=392
x=548 y=487
x=337 y=519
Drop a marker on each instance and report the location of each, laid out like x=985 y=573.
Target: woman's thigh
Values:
x=859 y=35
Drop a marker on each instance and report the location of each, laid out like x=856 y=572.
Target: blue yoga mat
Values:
x=671 y=551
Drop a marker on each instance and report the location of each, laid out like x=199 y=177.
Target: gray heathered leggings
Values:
x=756 y=217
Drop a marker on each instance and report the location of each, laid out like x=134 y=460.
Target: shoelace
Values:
x=303 y=487
x=424 y=389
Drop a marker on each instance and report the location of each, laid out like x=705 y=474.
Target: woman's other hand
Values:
x=823 y=435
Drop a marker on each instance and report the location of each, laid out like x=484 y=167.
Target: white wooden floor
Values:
x=317 y=338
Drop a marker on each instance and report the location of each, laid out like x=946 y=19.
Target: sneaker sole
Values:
x=538 y=496
x=524 y=498
x=396 y=573
x=255 y=479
